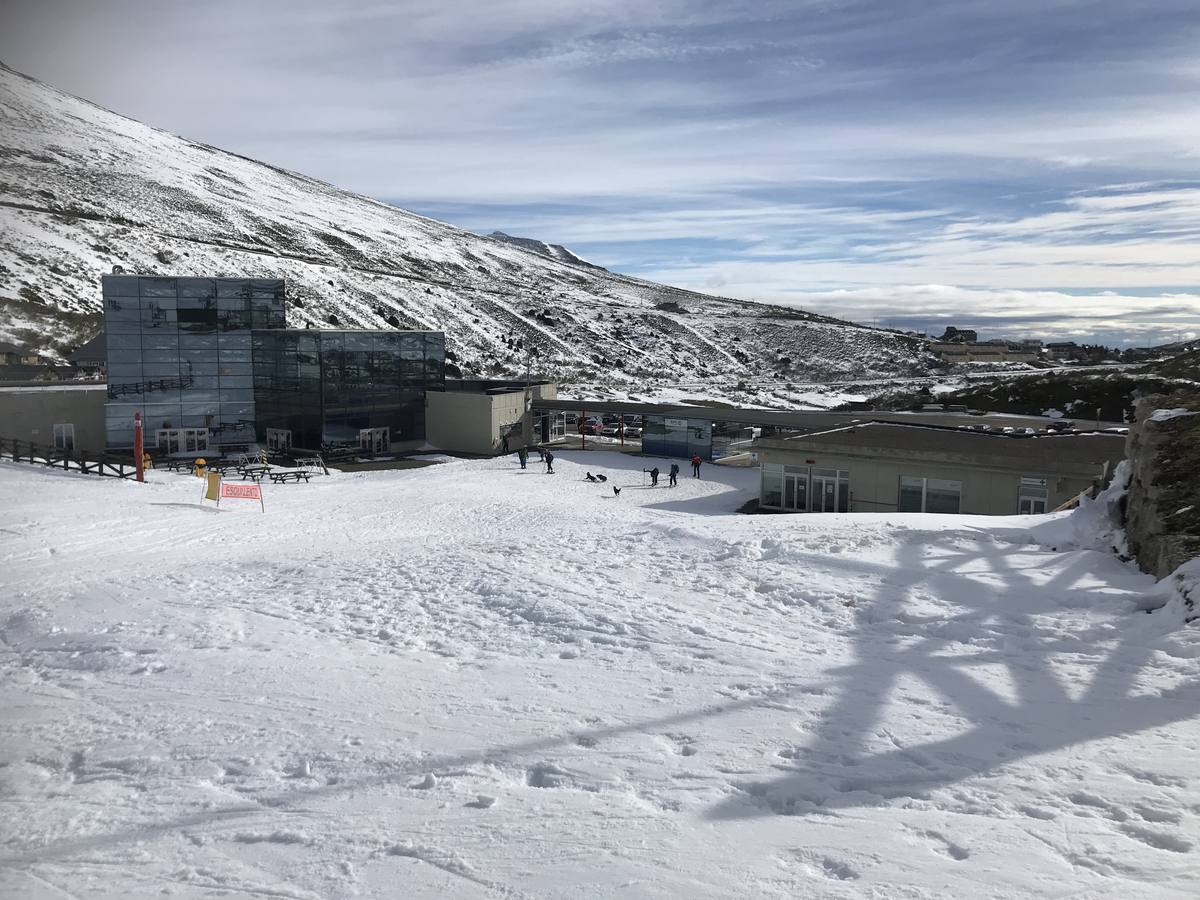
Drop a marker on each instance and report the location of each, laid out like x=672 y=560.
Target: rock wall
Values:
x=1162 y=515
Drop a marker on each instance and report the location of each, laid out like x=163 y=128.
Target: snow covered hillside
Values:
x=554 y=251
x=83 y=189
x=472 y=681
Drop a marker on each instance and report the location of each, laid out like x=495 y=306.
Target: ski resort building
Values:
x=894 y=467
x=210 y=363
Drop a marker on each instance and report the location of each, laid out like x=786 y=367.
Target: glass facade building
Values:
x=209 y=362
x=329 y=387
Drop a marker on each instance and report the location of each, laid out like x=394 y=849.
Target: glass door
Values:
x=795 y=488
x=830 y=490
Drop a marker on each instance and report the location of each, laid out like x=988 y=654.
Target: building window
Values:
x=64 y=437
x=934 y=495
x=771 y=494
x=1032 y=499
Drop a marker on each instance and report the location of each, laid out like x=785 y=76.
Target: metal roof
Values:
x=1091 y=448
x=809 y=420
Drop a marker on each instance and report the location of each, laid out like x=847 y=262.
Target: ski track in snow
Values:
x=472 y=681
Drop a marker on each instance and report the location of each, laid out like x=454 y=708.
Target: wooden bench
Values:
x=281 y=477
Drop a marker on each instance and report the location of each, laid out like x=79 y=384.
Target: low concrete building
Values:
x=64 y=416
x=889 y=467
x=994 y=352
x=476 y=416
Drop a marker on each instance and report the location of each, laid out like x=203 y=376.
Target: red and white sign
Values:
x=242 y=492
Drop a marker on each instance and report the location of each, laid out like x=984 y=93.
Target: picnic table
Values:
x=179 y=465
x=254 y=473
x=282 y=477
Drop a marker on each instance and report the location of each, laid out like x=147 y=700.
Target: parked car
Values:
x=633 y=434
x=587 y=428
x=611 y=431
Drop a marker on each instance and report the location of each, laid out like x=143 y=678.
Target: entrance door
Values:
x=824 y=494
x=795 y=488
x=64 y=437
x=830 y=491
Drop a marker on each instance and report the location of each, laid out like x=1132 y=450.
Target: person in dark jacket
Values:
x=696 y=465
x=674 y=473
x=522 y=456
x=549 y=463
x=654 y=477
x=504 y=445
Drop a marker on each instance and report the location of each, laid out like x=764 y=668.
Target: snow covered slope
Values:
x=83 y=189
x=467 y=681
x=553 y=251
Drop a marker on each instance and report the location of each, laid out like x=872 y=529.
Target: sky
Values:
x=1026 y=167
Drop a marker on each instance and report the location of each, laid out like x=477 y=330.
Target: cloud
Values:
x=765 y=149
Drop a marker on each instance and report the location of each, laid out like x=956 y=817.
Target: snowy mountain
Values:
x=83 y=189
x=553 y=251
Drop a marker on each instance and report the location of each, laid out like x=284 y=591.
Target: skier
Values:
x=654 y=477
x=674 y=473
x=522 y=456
x=549 y=463
x=696 y=466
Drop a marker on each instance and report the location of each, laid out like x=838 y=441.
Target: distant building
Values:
x=888 y=467
x=991 y=352
x=15 y=355
x=21 y=364
x=959 y=335
x=1063 y=348
x=92 y=357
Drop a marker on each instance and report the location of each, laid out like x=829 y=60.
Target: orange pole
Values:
x=138 y=446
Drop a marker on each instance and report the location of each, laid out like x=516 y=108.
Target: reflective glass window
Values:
x=942 y=496
x=157 y=287
x=912 y=494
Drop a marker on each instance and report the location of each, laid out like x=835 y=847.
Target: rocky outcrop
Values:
x=1162 y=517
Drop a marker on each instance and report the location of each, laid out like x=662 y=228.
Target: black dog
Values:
x=602 y=478
x=591 y=477
x=616 y=491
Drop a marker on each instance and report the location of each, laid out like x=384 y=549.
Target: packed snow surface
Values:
x=469 y=680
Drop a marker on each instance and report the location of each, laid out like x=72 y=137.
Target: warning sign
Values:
x=242 y=492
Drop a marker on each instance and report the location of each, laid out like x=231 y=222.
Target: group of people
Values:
x=548 y=459
x=673 y=472
x=544 y=455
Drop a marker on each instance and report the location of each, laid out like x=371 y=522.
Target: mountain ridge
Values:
x=83 y=189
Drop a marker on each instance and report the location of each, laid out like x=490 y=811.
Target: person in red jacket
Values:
x=696 y=465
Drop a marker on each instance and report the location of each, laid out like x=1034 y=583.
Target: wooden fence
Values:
x=87 y=462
